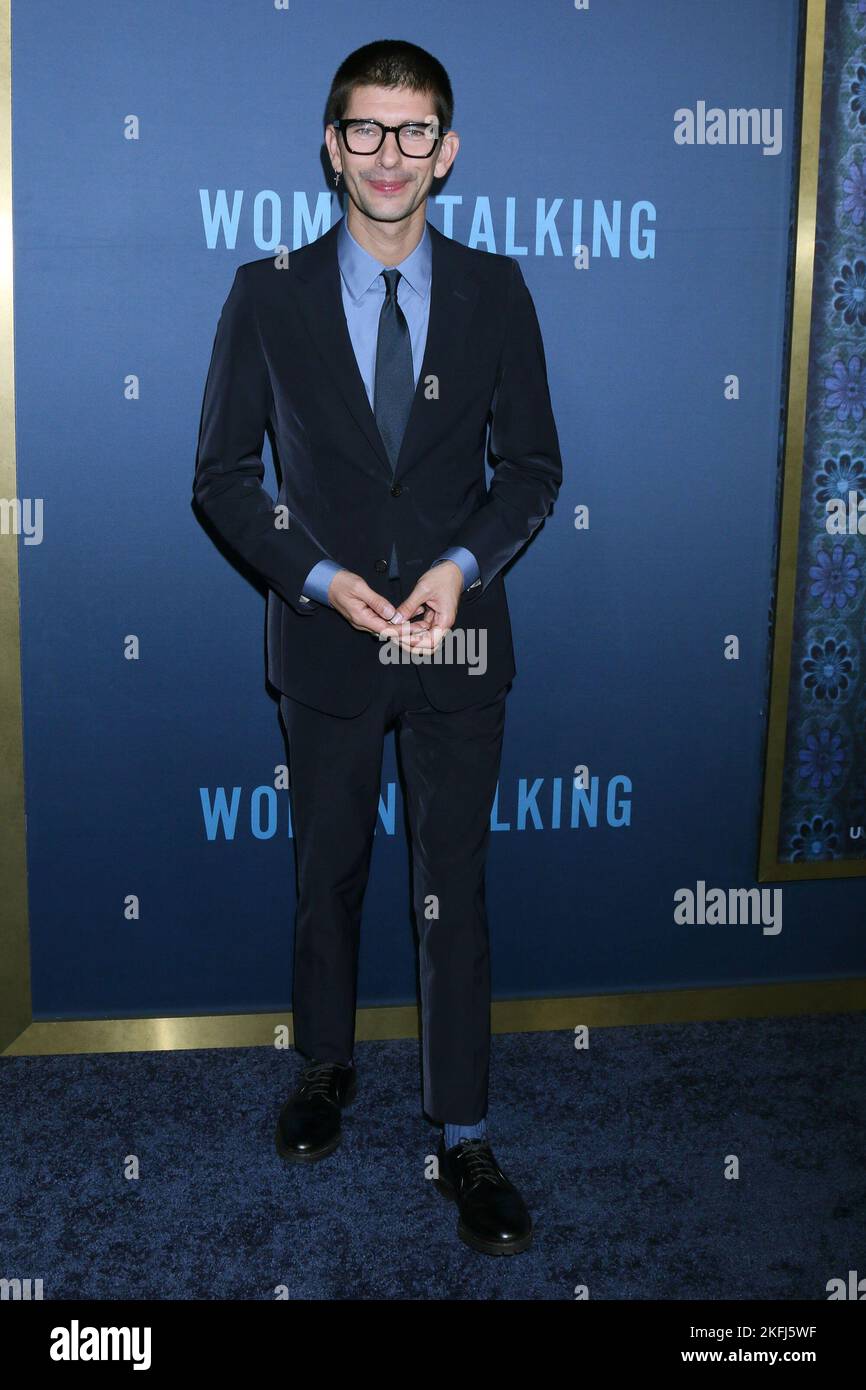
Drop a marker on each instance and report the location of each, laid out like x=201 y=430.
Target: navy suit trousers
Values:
x=449 y=766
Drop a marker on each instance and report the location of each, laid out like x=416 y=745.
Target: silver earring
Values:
x=337 y=173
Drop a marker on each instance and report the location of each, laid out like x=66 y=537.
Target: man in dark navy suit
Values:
x=387 y=362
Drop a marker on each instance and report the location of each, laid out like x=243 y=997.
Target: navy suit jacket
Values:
x=283 y=366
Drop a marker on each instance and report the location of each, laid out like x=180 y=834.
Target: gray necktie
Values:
x=394 y=387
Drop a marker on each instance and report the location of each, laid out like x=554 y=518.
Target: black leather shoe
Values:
x=309 y=1123
x=493 y=1215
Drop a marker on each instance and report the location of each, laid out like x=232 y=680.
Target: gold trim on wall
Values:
x=21 y=1036
x=15 y=1010
x=508 y=1016
x=770 y=867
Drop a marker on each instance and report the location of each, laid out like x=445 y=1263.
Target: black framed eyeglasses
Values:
x=416 y=139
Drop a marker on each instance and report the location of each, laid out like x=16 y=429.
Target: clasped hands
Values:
x=423 y=618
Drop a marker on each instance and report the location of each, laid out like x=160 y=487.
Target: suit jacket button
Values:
x=396 y=490
x=381 y=566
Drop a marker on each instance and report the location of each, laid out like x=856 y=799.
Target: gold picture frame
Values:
x=20 y=1035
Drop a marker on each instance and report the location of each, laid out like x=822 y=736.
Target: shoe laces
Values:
x=318 y=1079
x=481 y=1166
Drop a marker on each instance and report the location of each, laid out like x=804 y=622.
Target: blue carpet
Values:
x=619 y=1152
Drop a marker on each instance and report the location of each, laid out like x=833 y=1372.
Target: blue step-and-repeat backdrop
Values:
x=156 y=147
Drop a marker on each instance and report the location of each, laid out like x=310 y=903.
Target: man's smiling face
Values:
x=388 y=186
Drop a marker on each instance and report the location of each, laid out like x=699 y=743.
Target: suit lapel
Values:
x=452 y=300
x=321 y=303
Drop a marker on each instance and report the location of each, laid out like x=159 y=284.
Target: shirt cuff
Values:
x=318 y=581
x=465 y=561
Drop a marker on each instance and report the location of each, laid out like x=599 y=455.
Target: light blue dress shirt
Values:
x=363 y=291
